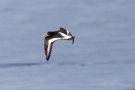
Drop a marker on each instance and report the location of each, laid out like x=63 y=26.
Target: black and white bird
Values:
x=52 y=36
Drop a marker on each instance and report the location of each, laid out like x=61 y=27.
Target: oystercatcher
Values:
x=52 y=36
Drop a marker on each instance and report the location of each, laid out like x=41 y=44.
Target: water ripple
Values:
x=18 y=65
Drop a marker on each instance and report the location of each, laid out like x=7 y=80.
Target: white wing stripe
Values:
x=65 y=36
x=67 y=32
x=49 y=43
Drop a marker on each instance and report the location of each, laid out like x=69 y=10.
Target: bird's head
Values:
x=48 y=34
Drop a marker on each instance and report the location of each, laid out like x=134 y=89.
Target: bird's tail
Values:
x=72 y=39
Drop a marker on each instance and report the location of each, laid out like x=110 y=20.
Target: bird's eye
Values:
x=50 y=33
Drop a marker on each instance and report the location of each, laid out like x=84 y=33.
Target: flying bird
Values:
x=52 y=36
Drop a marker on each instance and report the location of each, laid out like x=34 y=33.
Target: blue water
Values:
x=102 y=57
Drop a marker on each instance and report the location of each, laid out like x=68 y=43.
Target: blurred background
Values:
x=102 y=57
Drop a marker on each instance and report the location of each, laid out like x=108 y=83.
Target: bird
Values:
x=52 y=36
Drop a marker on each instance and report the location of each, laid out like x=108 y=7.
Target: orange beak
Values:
x=44 y=35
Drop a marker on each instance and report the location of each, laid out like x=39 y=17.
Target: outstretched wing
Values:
x=48 y=46
x=62 y=30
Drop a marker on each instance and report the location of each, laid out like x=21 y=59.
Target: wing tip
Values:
x=47 y=58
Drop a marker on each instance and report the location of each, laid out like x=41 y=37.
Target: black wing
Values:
x=47 y=48
x=63 y=30
x=48 y=42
